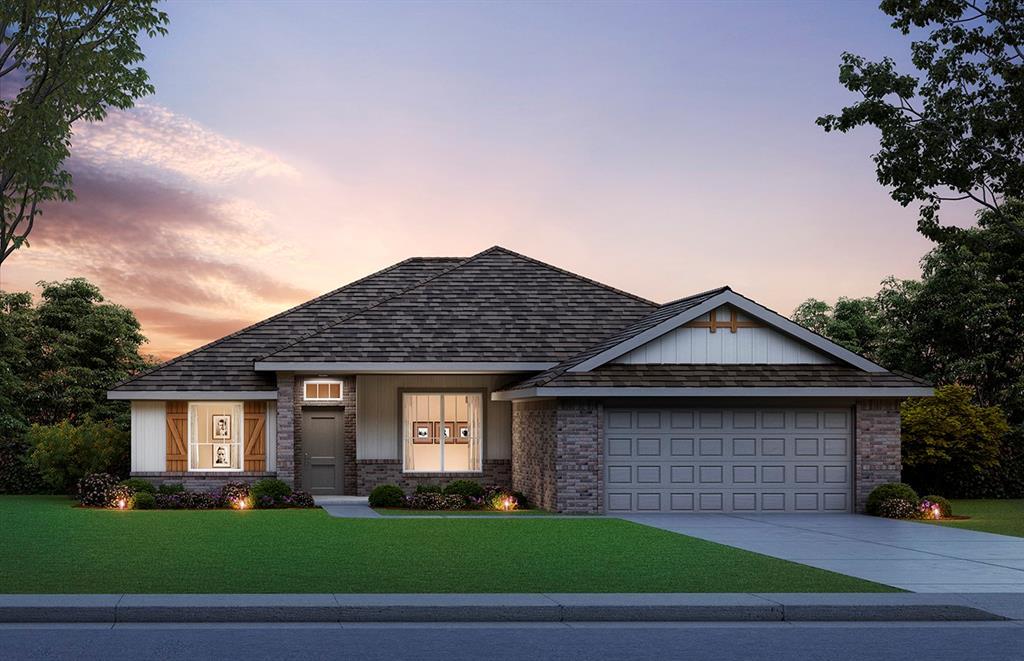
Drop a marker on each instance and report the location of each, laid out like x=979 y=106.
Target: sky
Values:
x=662 y=148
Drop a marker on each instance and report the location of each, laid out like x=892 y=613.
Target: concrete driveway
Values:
x=912 y=556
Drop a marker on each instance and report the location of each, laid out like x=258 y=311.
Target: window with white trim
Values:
x=215 y=431
x=322 y=390
x=442 y=432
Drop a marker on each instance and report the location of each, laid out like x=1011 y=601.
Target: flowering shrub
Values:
x=897 y=508
x=885 y=492
x=187 y=501
x=233 y=492
x=298 y=499
x=435 y=502
x=120 y=497
x=945 y=507
x=94 y=490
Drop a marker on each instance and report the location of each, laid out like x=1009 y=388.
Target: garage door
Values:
x=728 y=460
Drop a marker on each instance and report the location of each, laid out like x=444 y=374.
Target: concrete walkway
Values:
x=346 y=507
x=904 y=554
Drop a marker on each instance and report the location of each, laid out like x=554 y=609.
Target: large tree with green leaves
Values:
x=61 y=61
x=954 y=129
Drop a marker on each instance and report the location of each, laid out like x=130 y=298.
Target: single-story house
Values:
x=507 y=370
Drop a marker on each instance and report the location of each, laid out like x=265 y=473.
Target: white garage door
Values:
x=728 y=460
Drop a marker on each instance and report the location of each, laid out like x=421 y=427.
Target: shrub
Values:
x=897 y=508
x=436 y=501
x=234 y=492
x=429 y=488
x=889 y=491
x=950 y=444
x=464 y=488
x=298 y=499
x=17 y=475
x=275 y=490
x=96 y=489
x=171 y=487
x=387 y=495
x=64 y=453
x=120 y=497
x=945 y=507
x=144 y=500
x=187 y=500
x=139 y=486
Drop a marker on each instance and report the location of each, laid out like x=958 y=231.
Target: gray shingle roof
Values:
x=498 y=306
x=726 y=376
x=227 y=364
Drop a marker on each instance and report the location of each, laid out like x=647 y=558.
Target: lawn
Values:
x=1004 y=517
x=48 y=546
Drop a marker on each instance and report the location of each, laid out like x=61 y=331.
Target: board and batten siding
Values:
x=697 y=345
x=379 y=414
x=149 y=436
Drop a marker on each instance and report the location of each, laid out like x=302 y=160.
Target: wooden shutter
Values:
x=255 y=436
x=177 y=437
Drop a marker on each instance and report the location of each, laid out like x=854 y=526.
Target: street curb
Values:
x=617 y=607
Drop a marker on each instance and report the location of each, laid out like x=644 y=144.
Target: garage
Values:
x=728 y=459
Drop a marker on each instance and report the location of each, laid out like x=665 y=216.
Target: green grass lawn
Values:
x=48 y=546
x=1004 y=517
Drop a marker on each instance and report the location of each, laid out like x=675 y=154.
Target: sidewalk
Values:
x=623 y=607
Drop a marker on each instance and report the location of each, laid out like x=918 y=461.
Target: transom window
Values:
x=215 y=436
x=322 y=390
x=442 y=432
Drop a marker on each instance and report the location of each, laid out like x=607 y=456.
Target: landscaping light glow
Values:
x=240 y=503
x=936 y=512
x=121 y=504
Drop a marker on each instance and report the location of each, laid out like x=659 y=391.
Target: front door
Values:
x=321 y=451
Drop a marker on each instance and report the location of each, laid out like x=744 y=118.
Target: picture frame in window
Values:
x=421 y=432
x=222 y=455
x=463 y=432
x=221 y=427
x=448 y=432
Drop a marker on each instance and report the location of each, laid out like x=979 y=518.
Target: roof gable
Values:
x=498 y=306
x=677 y=314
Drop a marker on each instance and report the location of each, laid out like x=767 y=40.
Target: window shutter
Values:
x=255 y=436
x=177 y=437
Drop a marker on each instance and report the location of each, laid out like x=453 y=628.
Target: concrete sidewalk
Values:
x=650 y=607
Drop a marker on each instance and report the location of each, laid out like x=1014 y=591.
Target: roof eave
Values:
x=766 y=391
x=462 y=367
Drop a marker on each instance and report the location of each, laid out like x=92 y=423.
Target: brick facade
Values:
x=374 y=472
x=207 y=482
x=557 y=454
x=285 y=449
x=877 y=439
x=349 y=409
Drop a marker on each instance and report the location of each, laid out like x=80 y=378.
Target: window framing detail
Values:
x=238 y=420
x=442 y=393
x=322 y=381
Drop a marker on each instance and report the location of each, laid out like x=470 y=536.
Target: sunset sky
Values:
x=663 y=148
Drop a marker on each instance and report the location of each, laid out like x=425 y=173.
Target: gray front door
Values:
x=728 y=460
x=321 y=451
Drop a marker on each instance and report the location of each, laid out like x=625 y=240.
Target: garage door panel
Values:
x=756 y=460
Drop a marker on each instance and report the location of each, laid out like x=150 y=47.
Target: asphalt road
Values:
x=722 y=642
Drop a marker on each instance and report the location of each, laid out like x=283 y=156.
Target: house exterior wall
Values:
x=380 y=413
x=149 y=436
x=695 y=345
x=533 y=451
x=349 y=406
x=374 y=472
x=877 y=446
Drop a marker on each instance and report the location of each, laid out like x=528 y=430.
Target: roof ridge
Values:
x=570 y=273
x=714 y=290
x=253 y=326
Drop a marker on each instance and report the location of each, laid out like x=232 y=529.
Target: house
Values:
x=506 y=370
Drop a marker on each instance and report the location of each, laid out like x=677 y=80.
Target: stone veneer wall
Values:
x=208 y=482
x=349 y=406
x=533 y=451
x=374 y=472
x=877 y=438
x=557 y=454
x=286 y=428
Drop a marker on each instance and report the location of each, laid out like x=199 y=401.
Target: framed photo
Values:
x=463 y=430
x=222 y=455
x=221 y=427
x=448 y=432
x=421 y=432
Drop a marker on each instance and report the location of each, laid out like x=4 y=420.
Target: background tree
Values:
x=852 y=323
x=958 y=133
x=69 y=61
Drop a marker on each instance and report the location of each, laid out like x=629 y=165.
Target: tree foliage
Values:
x=950 y=443
x=65 y=452
x=957 y=131
x=69 y=60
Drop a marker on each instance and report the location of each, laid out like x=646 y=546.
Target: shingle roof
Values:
x=726 y=376
x=663 y=313
x=227 y=363
x=498 y=306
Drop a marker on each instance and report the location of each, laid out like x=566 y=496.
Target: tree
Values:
x=16 y=321
x=949 y=443
x=959 y=134
x=70 y=60
x=853 y=323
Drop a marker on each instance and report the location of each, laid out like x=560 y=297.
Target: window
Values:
x=323 y=390
x=215 y=436
x=442 y=432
